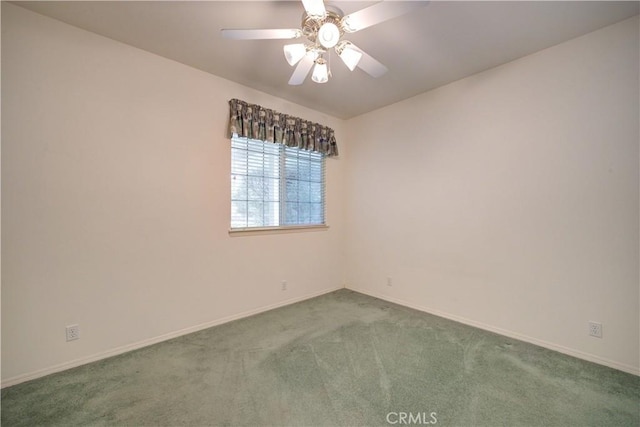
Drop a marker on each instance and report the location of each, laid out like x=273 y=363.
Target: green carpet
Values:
x=342 y=359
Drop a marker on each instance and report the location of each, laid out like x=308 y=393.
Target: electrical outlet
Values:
x=389 y=281
x=595 y=329
x=73 y=332
x=284 y=285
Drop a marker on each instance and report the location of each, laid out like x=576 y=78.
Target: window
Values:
x=273 y=185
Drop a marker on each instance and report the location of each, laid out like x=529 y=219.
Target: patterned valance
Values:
x=256 y=122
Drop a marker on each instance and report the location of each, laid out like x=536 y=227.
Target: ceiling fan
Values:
x=324 y=26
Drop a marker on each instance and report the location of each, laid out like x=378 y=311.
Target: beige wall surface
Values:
x=509 y=199
x=115 y=194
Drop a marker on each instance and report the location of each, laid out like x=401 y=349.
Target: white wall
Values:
x=509 y=200
x=115 y=195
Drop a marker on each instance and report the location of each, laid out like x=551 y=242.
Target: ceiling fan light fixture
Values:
x=315 y=8
x=349 y=55
x=349 y=25
x=323 y=27
x=293 y=53
x=328 y=35
x=320 y=71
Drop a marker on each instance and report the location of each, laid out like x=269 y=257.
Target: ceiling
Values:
x=435 y=45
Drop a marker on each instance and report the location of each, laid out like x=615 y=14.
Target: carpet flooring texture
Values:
x=341 y=359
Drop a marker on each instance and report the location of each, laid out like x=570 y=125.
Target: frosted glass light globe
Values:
x=328 y=35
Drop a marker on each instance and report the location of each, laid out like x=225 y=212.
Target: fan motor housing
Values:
x=310 y=25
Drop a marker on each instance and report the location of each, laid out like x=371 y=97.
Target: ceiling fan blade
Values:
x=265 y=34
x=314 y=8
x=369 y=65
x=302 y=70
x=379 y=12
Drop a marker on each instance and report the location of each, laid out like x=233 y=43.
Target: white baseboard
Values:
x=144 y=343
x=551 y=346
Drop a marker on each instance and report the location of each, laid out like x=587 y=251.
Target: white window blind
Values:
x=275 y=186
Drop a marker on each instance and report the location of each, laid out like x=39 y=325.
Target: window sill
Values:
x=236 y=232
